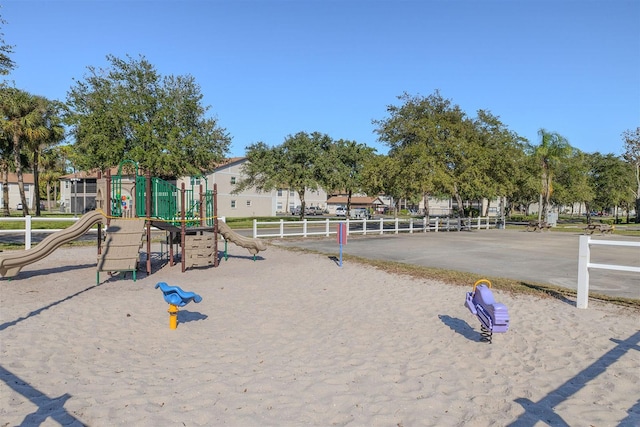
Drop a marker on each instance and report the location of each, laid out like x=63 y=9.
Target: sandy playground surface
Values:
x=292 y=339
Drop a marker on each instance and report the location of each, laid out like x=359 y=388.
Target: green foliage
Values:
x=343 y=166
x=611 y=179
x=27 y=124
x=437 y=149
x=6 y=64
x=550 y=153
x=129 y=111
x=632 y=156
x=301 y=162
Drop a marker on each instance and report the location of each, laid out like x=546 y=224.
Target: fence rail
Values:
x=29 y=230
x=305 y=228
x=584 y=264
x=328 y=226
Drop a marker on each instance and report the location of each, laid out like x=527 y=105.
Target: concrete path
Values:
x=542 y=257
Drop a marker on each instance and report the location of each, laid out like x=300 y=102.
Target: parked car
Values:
x=313 y=210
x=360 y=213
x=19 y=207
x=341 y=211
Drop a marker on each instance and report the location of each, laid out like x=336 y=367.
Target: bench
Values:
x=538 y=226
x=602 y=228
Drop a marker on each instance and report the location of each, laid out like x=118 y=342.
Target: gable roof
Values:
x=27 y=178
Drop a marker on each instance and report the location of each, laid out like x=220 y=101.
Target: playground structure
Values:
x=187 y=215
x=130 y=205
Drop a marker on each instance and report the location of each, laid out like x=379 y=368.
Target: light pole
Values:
x=74 y=205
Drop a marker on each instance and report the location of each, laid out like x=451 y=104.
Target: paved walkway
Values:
x=547 y=257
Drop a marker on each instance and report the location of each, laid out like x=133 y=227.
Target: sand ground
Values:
x=292 y=339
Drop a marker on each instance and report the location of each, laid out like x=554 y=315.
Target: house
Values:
x=78 y=192
x=14 y=192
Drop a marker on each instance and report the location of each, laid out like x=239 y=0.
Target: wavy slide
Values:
x=253 y=245
x=12 y=262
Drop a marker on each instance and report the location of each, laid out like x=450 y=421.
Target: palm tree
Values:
x=55 y=134
x=22 y=120
x=552 y=149
x=5 y=160
x=52 y=163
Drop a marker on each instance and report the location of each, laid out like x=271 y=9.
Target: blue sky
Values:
x=271 y=68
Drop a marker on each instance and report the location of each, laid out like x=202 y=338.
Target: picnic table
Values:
x=538 y=226
x=602 y=228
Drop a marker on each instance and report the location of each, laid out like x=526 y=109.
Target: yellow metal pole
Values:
x=173 y=316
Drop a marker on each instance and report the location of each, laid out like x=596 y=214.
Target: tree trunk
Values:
x=18 y=165
x=5 y=190
x=36 y=181
x=425 y=198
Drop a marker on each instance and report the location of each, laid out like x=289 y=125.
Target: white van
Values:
x=341 y=211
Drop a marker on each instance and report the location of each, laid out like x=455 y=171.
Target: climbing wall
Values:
x=199 y=250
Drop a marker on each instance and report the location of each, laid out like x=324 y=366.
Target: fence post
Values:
x=304 y=227
x=327 y=227
x=582 y=299
x=381 y=225
x=396 y=226
x=281 y=228
x=27 y=232
x=410 y=225
x=255 y=228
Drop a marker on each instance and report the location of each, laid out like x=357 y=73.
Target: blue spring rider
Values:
x=176 y=297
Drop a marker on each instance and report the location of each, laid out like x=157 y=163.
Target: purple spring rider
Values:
x=493 y=316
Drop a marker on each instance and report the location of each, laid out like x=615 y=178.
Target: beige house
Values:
x=14 y=193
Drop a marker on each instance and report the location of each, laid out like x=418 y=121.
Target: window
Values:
x=279 y=192
x=248 y=202
x=279 y=206
x=233 y=204
x=292 y=193
x=233 y=179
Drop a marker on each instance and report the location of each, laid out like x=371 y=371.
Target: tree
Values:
x=55 y=133
x=53 y=167
x=22 y=120
x=552 y=150
x=443 y=151
x=299 y=163
x=344 y=165
x=426 y=135
x=611 y=179
x=129 y=111
x=573 y=181
x=387 y=175
x=632 y=155
x=6 y=64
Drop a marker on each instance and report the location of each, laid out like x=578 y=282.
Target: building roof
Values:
x=229 y=162
x=27 y=178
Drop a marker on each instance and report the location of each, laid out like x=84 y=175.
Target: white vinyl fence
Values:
x=584 y=264
x=28 y=230
x=328 y=227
